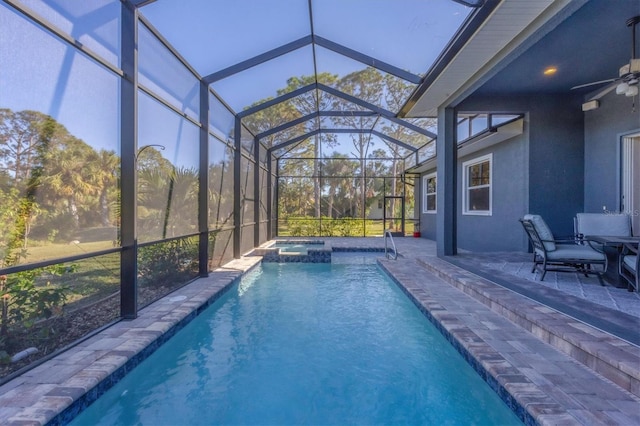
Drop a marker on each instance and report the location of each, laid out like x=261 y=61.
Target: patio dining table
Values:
x=618 y=243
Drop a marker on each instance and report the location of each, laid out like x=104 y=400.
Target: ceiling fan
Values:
x=628 y=76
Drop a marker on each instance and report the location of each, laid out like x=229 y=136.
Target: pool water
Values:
x=304 y=344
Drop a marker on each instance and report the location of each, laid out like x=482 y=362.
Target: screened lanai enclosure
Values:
x=144 y=143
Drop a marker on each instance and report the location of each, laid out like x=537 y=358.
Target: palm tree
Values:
x=104 y=167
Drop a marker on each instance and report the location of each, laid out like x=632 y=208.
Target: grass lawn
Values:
x=52 y=251
x=373 y=228
x=93 y=278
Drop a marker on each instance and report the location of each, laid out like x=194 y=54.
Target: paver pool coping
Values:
x=57 y=390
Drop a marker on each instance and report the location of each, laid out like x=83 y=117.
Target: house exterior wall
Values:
x=501 y=231
x=602 y=130
x=540 y=171
x=427 y=220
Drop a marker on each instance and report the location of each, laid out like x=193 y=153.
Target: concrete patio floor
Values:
x=564 y=351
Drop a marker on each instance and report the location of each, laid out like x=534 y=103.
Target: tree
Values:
x=366 y=85
x=105 y=166
x=20 y=139
x=68 y=188
x=292 y=109
x=41 y=130
x=337 y=170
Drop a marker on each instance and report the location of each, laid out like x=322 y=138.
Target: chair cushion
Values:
x=618 y=225
x=575 y=252
x=543 y=230
x=630 y=263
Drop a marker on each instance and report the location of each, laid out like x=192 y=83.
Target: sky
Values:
x=40 y=72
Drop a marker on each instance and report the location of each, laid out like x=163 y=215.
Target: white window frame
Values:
x=465 y=182
x=425 y=178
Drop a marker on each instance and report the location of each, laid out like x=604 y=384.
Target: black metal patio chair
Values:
x=629 y=266
x=560 y=255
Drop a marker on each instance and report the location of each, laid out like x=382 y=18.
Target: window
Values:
x=429 y=193
x=477 y=185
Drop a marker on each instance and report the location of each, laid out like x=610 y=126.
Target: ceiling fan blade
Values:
x=600 y=93
x=593 y=83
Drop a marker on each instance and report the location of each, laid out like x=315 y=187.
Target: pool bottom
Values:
x=313 y=386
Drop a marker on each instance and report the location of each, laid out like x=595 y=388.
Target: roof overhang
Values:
x=512 y=27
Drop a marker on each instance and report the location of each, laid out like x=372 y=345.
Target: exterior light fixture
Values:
x=550 y=71
x=631 y=91
x=621 y=89
x=591 y=105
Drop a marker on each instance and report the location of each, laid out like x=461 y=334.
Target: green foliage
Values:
x=52 y=184
x=325 y=227
x=27 y=297
x=168 y=263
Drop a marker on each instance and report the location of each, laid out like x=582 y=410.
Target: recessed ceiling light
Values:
x=550 y=71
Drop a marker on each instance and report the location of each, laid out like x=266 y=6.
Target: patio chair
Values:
x=560 y=255
x=629 y=266
x=610 y=224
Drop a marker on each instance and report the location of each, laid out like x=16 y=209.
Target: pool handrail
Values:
x=394 y=255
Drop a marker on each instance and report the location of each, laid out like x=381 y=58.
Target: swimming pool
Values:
x=304 y=344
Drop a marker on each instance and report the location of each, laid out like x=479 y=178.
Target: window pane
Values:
x=427 y=151
x=485 y=173
x=479 y=199
x=497 y=119
x=479 y=123
x=431 y=185
x=431 y=202
x=479 y=174
x=462 y=130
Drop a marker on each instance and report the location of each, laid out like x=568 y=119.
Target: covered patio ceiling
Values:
x=293 y=69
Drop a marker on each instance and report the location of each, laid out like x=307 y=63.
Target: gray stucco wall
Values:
x=541 y=171
x=603 y=129
x=501 y=231
x=556 y=161
x=427 y=220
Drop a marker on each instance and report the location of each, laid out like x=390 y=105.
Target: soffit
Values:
x=510 y=24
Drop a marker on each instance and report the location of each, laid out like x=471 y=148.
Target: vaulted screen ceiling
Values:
x=296 y=68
